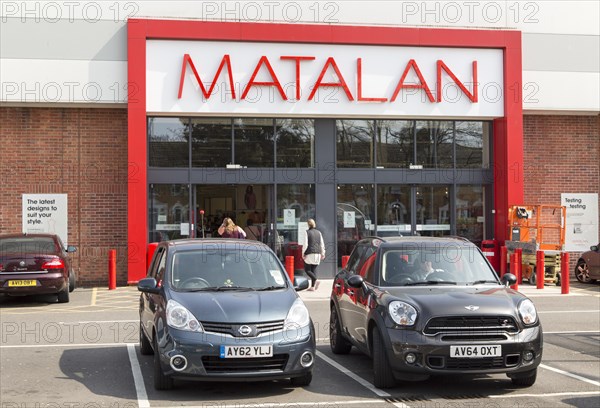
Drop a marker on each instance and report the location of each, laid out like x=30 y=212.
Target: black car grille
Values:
x=471 y=326
x=214 y=364
x=446 y=363
x=232 y=328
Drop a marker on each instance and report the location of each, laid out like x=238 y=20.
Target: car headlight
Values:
x=297 y=317
x=180 y=318
x=527 y=312
x=402 y=313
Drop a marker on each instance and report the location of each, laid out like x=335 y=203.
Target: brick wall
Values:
x=79 y=152
x=561 y=155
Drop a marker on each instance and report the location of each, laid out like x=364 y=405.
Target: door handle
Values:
x=337 y=286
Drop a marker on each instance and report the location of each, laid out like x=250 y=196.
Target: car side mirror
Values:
x=509 y=279
x=148 y=285
x=594 y=248
x=300 y=283
x=71 y=248
x=356 y=281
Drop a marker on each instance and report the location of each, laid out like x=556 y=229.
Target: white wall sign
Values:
x=349 y=219
x=245 y=78
x=302 y=228
x=582 y=221
x=46 y=213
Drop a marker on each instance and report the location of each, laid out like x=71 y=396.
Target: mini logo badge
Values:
x=22 y=264
x=245 y=330
x=472 y=308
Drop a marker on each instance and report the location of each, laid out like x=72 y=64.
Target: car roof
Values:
x=222 y=243
x=394 y=241
x=23 y=235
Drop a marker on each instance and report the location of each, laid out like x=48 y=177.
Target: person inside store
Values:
x=314 y=252
x=250 y=198
x=228 y=229
x=253 y=231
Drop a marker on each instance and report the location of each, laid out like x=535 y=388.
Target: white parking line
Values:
x=138 y=379
x=568 y=374
x=573 y=332
x=545 y=395
x=64 y=345
x=568 y=311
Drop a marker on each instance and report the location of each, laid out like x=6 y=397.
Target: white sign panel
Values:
x=46 y=213
x=582 y=221
x=302 y=228
x=245 y=78
x=349 y=219
x=289 y=216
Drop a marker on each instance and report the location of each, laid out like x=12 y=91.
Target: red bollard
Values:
x=289 y=267
x=150 y=253
x=519 y=256
x=112 y=269
x=564 y=273
x=503 y=253
x=515 y=269
x=345 y=259
x=539 y=269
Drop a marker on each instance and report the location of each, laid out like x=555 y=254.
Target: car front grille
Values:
x=471 y=326
x=446 y=363
x=214 y=364
x=232 y=328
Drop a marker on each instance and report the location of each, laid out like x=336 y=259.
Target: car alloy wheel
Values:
x=582 y=272
x=339 y=345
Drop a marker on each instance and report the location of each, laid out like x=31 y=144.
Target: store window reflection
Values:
x=169 y=212
x=168 y=144
x=253 y=142
x=395 y=143
x=211 y=142
x=355 y=215
x=470 y=212
x=434 y=141
x=295 y=142
x=355 y=143
x=472 y=144
x=295 y=205
x=393 y=210
x=433 y=210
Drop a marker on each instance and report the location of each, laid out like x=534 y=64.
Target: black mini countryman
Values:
x=224 y=310
x=422 y=306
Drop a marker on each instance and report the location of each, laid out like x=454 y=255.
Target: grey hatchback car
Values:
x=223 y=310
x=422 y=306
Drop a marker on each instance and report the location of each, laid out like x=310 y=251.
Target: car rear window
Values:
x=27 y=245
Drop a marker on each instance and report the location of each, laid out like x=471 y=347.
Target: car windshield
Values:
x=27 y=245
x=439 y=264
x=221 y=270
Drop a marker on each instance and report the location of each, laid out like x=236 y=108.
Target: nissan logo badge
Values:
x=245 y=330
x=472 y=308
x=22 y=264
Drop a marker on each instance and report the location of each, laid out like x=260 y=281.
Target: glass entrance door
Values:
x=249 y=206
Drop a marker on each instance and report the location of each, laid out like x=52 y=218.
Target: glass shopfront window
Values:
x=169 y=212
x=295 y=205
x=355 y=143
x=395 y=143
x=472 y=144
x=434 y=143
x=355 y=215
x=295 y=142
x=393 y=210
x=470 y=212
x=168 y=142
x=253 y=142
x=433 y=210
x=211 y=142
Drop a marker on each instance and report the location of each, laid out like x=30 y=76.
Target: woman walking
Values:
x=314 y=252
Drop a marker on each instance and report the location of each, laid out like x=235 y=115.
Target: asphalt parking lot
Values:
x=85 y=354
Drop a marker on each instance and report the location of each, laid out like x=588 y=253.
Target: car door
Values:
x=359 y=308
x=341 y=290
x=149 y=301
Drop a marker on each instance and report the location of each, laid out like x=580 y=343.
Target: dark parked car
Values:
x=223 y=310
x=587 y=269
x=422 y=306
x=35 y=264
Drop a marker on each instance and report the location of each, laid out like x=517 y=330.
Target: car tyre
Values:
x=533 y=277
x=302 y=381
x=582 y=272
x=72 y=280
x=145 y=345
x=557 y=281
x=383 y=376
x=162 y=382
x=527 y=380
x=63 y=296
x=339 y=345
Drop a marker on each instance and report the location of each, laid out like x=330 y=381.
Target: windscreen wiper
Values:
x=430 y=282
x=479 y=282
x=271 y=288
